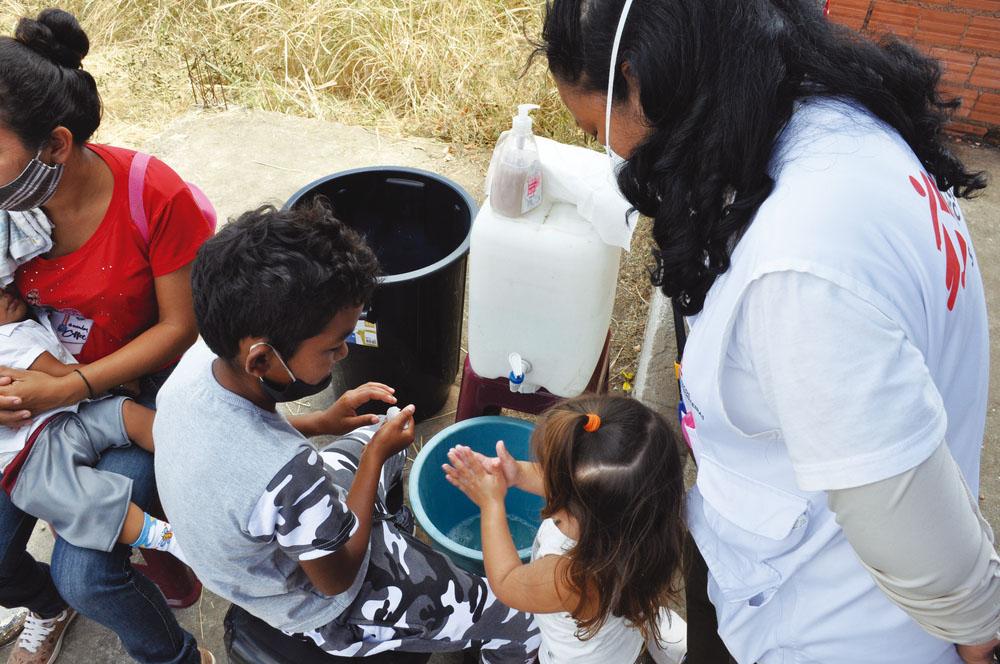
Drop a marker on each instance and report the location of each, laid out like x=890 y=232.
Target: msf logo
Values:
x=944 y=217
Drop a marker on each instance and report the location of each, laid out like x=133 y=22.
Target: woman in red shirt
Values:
x=121 y=300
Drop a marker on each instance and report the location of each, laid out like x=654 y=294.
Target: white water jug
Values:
x=541 y=292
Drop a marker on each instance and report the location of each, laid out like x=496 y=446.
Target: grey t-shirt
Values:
x=249 y=497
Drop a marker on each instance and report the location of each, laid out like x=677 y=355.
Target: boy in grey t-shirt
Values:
x=303 y=538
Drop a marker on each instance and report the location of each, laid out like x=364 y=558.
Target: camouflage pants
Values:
x=413 y=598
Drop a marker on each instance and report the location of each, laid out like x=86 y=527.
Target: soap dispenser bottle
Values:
x=515 y=182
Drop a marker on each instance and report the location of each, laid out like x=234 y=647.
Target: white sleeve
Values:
x=25 y=343
x=923 y=539
x=852 y=397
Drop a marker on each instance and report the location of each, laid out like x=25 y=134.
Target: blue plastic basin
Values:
x=439 y=506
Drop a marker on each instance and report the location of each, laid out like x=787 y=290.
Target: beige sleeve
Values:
x=922 y=537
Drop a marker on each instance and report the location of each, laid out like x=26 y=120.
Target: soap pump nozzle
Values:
x=522 y=121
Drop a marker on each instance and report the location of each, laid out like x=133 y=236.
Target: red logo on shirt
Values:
x=956 y=252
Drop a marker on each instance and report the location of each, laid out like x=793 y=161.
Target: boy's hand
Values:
x=342 y=417
x=395 y=435
x=468 y=473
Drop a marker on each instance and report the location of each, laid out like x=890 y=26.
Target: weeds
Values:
x=444 y=69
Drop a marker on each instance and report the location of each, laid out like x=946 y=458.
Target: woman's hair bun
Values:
x=55 y=34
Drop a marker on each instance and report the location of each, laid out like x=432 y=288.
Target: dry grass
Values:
x=437 y=68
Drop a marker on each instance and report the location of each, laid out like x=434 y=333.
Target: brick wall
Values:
x=963 y=34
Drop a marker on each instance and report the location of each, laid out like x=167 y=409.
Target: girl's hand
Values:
x=502 y=464
x=471 y=476
x=28 y=393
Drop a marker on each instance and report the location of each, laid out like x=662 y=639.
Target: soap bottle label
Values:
x=532 y=189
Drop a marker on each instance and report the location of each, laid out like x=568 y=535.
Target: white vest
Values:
x=851 y=205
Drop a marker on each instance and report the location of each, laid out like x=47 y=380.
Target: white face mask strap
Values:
x=613 y=71
x=276 y=355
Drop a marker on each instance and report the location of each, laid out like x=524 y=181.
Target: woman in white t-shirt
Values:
x=834 y=382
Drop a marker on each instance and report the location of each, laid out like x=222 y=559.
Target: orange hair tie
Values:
x=593 y=423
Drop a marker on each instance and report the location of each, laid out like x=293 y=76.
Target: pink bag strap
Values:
x=136 y=184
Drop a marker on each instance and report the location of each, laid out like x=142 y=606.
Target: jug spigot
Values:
x=518 y=368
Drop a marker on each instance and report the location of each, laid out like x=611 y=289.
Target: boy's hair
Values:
x=624 y=485
x=279 y=274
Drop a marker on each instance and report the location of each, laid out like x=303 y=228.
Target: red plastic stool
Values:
x=486 y=396
x=174 y=579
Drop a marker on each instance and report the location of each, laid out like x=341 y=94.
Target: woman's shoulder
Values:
x=158 y=178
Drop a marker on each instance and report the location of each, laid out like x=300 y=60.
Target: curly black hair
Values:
x=41 y=83
x=717 y=82
x=279 y=274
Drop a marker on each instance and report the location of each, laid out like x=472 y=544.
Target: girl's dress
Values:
x=617 y=641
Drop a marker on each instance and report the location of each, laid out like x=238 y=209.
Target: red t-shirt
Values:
x=101 y=296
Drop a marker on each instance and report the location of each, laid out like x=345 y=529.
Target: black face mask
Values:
x=297 y=389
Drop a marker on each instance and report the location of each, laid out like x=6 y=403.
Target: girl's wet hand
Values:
x=468 y=472
x=502 y=464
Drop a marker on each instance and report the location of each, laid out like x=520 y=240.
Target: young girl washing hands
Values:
x=604 y=562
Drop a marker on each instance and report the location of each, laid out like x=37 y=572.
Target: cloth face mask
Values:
x=297 y=389
x=32 y=188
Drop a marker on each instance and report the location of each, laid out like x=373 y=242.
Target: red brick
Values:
x=978 y=5
x=987 y=109
x=851 y=13
x=967 y=95
x=941 y=28
x=987 y=73
x=983 y=35
x=956 y=65
x=851 y=18
x=966 y=128
x=889 y=16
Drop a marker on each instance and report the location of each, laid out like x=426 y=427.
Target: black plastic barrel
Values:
x=418 y=223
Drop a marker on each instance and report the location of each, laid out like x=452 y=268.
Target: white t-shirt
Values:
x=852 y=397
x=20 y=345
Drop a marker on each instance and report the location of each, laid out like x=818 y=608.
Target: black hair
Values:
x=279 y=274
x=717 y=82
x=41 y=83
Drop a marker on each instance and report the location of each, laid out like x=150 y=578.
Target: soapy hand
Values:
x=395 y=435
x=342 y=417
x=472 y=477
x=502 y=464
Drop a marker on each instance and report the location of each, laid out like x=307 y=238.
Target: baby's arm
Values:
x=48 y=364
x=538 y=587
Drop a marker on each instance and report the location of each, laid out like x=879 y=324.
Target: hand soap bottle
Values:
x=515 y=183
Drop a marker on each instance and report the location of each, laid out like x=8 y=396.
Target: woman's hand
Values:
x=473 y=478
x=25 y=394
x=11 y=413
x=981 y=654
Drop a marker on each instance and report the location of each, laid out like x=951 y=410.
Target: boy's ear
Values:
x=258 y=357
